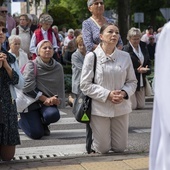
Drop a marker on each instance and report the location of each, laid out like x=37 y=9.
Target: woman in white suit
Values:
x=114 y=83
x=15 y=44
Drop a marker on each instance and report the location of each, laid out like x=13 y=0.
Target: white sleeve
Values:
x=33 y=44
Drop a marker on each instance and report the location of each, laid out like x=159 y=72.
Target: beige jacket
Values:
x=112 y=73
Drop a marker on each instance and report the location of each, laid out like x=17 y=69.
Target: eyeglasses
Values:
x=4 y=30
x=3 y=12
x=97 y=3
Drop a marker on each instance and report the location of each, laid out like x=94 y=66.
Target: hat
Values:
x=45 y=18
x=40 y=44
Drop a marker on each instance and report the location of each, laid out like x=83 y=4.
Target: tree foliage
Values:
x=62 y=17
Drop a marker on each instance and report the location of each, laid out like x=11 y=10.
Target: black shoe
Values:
x=46 y=131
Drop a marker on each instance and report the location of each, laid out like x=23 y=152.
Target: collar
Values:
x=105 y=58
x=43 y=31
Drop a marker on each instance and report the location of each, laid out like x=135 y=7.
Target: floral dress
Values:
x=9 y=134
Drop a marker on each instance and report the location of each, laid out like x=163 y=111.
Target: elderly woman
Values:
x=44 y=32
x=48 y=86
x=141 y=64
x=114 y=83
x=10 y=77
x=15 y=44
x=91 y=26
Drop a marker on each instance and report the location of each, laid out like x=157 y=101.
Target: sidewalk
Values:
x=91 y=162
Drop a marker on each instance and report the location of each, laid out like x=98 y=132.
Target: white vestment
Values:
x=160 y=131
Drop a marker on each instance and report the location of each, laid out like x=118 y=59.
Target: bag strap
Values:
x=17 y=30
x=94 y=66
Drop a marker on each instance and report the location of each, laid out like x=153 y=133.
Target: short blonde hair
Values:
x=79 y=39
x=134 y=32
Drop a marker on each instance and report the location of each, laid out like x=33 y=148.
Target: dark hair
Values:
x=105 y=26
x=150 y=27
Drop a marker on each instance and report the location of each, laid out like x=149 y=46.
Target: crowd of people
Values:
x=119 y=82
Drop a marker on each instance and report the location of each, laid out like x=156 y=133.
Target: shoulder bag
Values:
x=82 y=103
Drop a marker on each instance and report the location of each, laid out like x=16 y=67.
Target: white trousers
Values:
x=109 y=133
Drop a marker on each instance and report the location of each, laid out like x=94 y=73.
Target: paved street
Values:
x=67 y=137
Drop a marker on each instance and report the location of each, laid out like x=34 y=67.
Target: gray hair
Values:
x=70 y=30
x=12 y=38
x=90 y=2
x=54 y=27
x=46 y=18
x=134 y=32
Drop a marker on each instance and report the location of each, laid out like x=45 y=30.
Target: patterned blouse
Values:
x=91 y=31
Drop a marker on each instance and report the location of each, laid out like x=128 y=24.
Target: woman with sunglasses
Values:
x=10 y=77
x=10 y=22
x=91 y=26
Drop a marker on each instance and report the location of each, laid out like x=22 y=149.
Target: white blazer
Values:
x=112 y=73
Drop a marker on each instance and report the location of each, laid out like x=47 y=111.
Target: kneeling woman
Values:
x=114 y=83
x=44 y=79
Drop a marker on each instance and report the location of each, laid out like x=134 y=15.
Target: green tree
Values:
x=1 y=2
x=151 y=10
x=77 y=8
x=62 y=16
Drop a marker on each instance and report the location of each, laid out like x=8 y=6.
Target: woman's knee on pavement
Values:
x=102 y=146
x=119 y=147
x=33 y=133
x=51 y=115
x=36 y=134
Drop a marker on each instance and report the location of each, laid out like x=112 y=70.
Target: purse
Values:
x=22 y=100
x=82 y=103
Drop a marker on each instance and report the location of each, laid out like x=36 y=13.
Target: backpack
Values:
x=17 y=31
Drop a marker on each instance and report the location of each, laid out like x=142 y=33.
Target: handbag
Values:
x=82 y=103
x=22 y=100
x=148 y=88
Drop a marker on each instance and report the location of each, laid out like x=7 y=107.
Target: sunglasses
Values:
x=3 y=12
x=4 y=30
x=97 y=3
